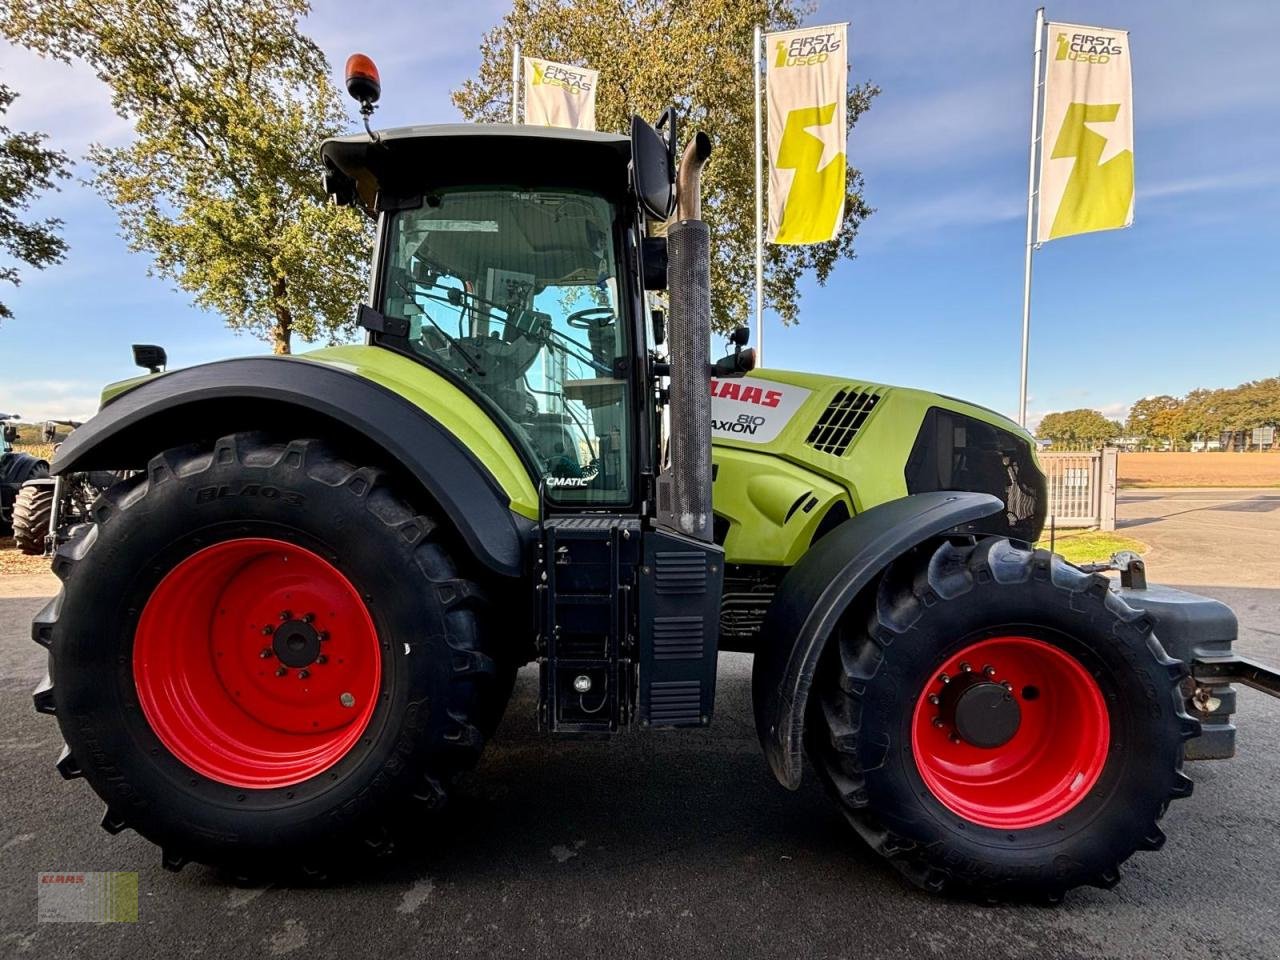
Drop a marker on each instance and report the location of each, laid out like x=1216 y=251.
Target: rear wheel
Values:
x=997 y=723
x=264 y=658
x=31 y=512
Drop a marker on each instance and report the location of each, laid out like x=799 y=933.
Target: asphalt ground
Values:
x=680 y=845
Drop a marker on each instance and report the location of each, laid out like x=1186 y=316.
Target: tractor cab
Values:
x=518 y=282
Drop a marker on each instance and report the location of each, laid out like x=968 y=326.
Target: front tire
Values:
x=32 y=510
x=262 y=658
x=999 y=724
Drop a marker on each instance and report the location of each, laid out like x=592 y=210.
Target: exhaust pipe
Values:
x=684 y=490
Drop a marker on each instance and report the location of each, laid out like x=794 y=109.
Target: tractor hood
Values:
x=792 y=448
x=406 y=161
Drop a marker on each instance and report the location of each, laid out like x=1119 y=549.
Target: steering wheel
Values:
x=591 y=318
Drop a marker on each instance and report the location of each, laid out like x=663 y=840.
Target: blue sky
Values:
x=1189 y=296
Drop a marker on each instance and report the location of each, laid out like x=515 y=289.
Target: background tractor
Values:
x=16 y=468
x=281 y=639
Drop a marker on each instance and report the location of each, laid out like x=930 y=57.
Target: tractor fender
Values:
x=200 y=404
x=17 y=468
x=815 y=593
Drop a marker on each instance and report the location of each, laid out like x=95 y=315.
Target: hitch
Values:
x=1233 y=668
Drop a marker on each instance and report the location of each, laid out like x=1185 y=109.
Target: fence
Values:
x=1082 y=488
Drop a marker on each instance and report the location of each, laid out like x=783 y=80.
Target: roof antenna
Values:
x=365 y=87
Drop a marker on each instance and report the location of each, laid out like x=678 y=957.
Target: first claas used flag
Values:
x=806 y=79
x=1086 y=165
x=558 y=95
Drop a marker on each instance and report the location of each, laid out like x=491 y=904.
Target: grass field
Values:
x=42 y=450
x=1092 y=546
x=1199 y=469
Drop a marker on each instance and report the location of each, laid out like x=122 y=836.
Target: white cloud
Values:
x=1227 y=180
x=36 y=400
x=926 y=216
x=940 y=128
x=66 y=101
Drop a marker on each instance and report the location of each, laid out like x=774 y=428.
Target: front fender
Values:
x=816 y=592
x=199 y=404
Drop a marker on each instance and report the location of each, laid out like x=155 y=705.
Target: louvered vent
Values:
x=842 y=420
x=675 y=703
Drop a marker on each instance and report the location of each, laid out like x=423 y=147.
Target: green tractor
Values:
x=281 y=639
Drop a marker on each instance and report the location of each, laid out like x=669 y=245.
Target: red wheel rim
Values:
x=1046 y=767
x=257 y=663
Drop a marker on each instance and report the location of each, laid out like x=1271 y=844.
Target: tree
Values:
x=27 y=167
x=697 y=56
x=1145 y=412
x=222 y=181
x=1078 y=428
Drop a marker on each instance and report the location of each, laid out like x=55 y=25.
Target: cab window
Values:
x=515 y=293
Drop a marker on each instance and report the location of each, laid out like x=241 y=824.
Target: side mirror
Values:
x=10 y=434
x=653 y=166
x=150 y=357
x=659 y=321
x=653 y=260
x=739 y=362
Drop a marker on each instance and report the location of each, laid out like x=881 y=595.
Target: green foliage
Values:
x=1091 y=546
x=27 y=167
x=1207 y=414
x=696 y=55
x=222 y=180
x=1078 y=429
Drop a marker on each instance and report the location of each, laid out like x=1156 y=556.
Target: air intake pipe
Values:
x=684 y=490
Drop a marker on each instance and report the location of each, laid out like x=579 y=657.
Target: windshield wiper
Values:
x=449 y=338
x=465 y=300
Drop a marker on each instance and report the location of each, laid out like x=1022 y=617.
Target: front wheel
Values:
x=1000 y=724
x=263 y=658
x=31 y=512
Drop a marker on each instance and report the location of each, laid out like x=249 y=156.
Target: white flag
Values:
x=557 y=95
x=1086 y=153
x=806 y=96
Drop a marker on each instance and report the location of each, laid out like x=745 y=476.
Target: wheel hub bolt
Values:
x=347 y=700
x=266 y=653
x=285 y=615
x=965 y=668
x=281 y=671
x=939 y=722
x=323 y=635
x=321 y=658
x=308 y=618
x=944 y=678
x=268 y=630
x=1008 y=686
x=303 y=674
x=934 y=699
x=989 y=670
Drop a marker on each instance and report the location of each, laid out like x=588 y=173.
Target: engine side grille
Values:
x=842 y=420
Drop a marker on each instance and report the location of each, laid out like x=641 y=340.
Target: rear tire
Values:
x=1097 y=721
x=31 y=513
x=174 y=587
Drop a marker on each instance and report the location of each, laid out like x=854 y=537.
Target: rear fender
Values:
x=199 y=404
x=817 y=591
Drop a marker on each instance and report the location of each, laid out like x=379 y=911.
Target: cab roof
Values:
x=405 y=162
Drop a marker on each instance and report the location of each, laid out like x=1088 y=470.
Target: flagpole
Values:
x=755 y=104
x=515 y=82
x=1031 y=223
